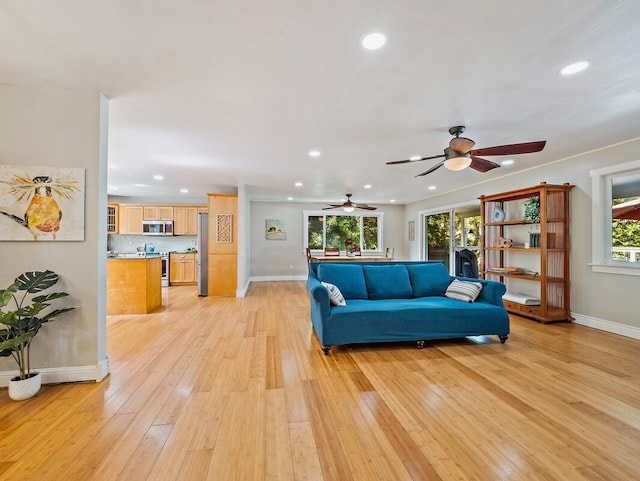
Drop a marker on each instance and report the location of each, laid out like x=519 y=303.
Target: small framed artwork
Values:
x=41 y=203
x=412 y=230
x=224 y=228
x=275 y=230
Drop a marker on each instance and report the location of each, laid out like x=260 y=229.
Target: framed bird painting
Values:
x=41 y=203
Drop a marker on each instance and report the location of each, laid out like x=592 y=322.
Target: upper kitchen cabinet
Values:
x=131 y=217
x=185 y=219
x=112 y=219
x=158 y=212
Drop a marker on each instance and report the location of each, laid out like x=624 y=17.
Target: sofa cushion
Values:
x=335 y=296
x=430 y=279
x=349 y=278
x=463 y=290
x=387 y=282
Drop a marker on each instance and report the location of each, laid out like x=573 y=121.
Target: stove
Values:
x=164 y=258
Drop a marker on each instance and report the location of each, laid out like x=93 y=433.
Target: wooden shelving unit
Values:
x=545 y=269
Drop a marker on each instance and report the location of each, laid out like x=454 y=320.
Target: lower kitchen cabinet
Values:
x=182 y=268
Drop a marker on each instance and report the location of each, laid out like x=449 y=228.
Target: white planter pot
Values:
x=25 y=388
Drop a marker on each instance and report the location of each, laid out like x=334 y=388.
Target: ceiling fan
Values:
x=349 y=206
x=460 y=154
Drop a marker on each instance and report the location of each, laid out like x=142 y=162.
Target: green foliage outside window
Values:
x=625 y=233
x=339 y=228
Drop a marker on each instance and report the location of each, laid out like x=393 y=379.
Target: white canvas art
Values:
x=41 y=203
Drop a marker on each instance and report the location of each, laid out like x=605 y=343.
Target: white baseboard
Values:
x=57 y=375
x=278 y=278
x=609 y=326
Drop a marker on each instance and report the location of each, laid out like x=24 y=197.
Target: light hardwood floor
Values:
x=238 y=389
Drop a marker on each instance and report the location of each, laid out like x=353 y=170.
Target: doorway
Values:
x=448 y=231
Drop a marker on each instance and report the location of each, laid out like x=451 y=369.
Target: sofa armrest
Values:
x=318 y=299
x=492 y=291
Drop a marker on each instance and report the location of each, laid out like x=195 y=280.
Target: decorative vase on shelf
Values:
x=21 y=389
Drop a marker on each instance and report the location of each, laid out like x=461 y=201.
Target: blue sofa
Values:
x=399 y=301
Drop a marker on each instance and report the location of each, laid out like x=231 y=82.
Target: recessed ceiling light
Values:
x=507 y=162
x=298 y=184
x=314 y=153
x=184 y=191
x=368 y=186
x=158 y=177
x=392 y=201
x=289 y=198
x=140 y=185
x=415 y=157
x=373 y=41
x=574 y=68
x=432 y=187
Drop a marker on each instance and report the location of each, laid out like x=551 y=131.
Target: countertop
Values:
x=132 y=255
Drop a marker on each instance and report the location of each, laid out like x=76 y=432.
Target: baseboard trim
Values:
x=57 y=375
x=278 y=278
x=609 y=326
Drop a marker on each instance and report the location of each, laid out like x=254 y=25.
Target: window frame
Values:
x=602 y=221
x=315 y=213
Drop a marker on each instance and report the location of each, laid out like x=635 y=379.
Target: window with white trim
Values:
x=616 y=219
x=332 y=230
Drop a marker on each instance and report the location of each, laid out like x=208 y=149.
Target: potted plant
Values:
x=23 y=322
x=532 y=209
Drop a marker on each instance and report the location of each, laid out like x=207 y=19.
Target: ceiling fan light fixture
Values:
x=457 y=163
x=456 y=160
x=348 y=208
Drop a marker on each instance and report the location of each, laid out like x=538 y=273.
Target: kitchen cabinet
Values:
x=112 y=219
x=223 y=245
x=158 y=212
x=182 y=268
x=185 y=220
x=130 y=218
x=133 y=285
x=530 y=256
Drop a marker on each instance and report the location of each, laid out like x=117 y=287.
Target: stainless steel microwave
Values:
x=157 y=227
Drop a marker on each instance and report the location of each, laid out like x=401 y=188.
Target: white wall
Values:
x=286 y=259
x=61 y=128
x=608 y=301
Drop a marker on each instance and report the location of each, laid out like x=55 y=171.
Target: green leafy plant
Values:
x=31 y=312
x=532 y=209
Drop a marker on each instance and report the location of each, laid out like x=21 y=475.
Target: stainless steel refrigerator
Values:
x=203 y=254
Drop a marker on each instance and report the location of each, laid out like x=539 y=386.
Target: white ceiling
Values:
x=212 y=93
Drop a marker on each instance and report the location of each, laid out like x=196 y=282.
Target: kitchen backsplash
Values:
x=130 y=243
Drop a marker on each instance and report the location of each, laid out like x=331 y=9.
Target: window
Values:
x=616 y=219
x=332 y=230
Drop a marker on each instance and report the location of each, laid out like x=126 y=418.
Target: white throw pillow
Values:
x=335 y=296
x=463 y=290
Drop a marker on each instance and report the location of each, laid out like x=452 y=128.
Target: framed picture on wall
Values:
x=275 y=230
x=41 y=203
x=412 y=230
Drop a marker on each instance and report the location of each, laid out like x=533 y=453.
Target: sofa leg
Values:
x=326 y=349
x=503 y=339
x=420 y=344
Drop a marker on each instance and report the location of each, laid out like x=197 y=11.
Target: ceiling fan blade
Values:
x=332 y=207
x=511 y=149
x=364 y=206
x=435 y=167
x=393 y=162
x=461 y=144
x=482 y=165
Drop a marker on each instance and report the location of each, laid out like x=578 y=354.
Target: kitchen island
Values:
x=134 y=284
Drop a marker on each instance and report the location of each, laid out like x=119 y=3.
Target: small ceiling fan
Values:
x=460 y=154
x=349 y=206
